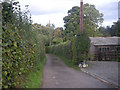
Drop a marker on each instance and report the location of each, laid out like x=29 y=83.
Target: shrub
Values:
x=22 y=47
x=80 y=48
x=62 y=49
x=76 y=51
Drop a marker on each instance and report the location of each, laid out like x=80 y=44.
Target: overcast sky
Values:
x=54 y=10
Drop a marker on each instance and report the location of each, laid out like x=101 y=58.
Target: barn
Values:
x=104 y=48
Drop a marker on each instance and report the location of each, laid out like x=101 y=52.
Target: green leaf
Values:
x=5 y=73
x=5 y=86
x=15 y=44
x=6 y=12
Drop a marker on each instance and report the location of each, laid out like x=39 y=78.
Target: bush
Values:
x=22 y=47
x=62 y=49
x=80 y=48
x=76 y=51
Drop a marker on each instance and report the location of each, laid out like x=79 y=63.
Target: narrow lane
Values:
x=58 y=75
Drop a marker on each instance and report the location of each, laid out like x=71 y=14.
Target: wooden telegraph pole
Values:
x=49 y=35
x=81 y=16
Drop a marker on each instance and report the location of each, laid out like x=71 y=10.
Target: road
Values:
x=107 y=70
x=58 y=75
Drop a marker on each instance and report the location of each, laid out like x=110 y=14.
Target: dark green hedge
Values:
x=80 y=48
x=22 y=46
x=75 y=50
x=62 y=49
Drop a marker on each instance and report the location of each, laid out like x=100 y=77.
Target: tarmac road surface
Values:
x=58 y=75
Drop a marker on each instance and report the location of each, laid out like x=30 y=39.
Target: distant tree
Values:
x=57 y=33
x=108 y=31
x=118 y=29
x=44 y=30
x=113 y=30
x=105 y=31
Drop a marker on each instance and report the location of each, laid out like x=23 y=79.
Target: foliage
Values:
x=80 y=48
x=61 y=49
x=118 y=34
x=118 y=28
x=45 y=30
x=34 y=79
x=57 y=40
x=110 y=31
x=57 y=33
x=22 y=45
x=105 y=31
x=76 y=51
x=92 y=18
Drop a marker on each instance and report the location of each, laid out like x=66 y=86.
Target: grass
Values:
x=69 y=63
x=34 y=79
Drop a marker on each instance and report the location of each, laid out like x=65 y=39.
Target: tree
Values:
x=72 y=22
x=110 y=31
x=80 y=48
x=57 y=33
x=115 y=29
x=57 y=36
x=118 y=29
x=105 y=31
x=45 y=30
x=92 y=19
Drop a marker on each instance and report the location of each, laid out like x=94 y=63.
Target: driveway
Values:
x=107 y=70
x=58 y=75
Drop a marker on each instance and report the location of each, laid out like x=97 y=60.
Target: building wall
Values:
x=92 y=49
x=91 y=52
x=106 y=52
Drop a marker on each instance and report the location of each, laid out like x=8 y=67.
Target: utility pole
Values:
x=49 y=35
x=81 y=16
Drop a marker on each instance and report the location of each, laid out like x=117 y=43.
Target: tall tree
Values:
x=92 y=19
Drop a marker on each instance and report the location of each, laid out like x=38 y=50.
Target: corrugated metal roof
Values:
x=105 y=40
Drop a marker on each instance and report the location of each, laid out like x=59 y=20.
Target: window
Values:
x=117 y=48
x=104 y=49
x=108 y=49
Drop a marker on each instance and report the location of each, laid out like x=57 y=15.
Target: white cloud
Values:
x=44 y=10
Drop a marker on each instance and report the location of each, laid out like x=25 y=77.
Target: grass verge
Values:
x=34 y=79
x=69 y=63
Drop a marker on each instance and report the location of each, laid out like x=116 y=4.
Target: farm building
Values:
x=104 y=48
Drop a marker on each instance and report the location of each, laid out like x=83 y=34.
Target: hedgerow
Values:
x=80 y=48
x=22 y=45
x=75 y=50
x=62 y=49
